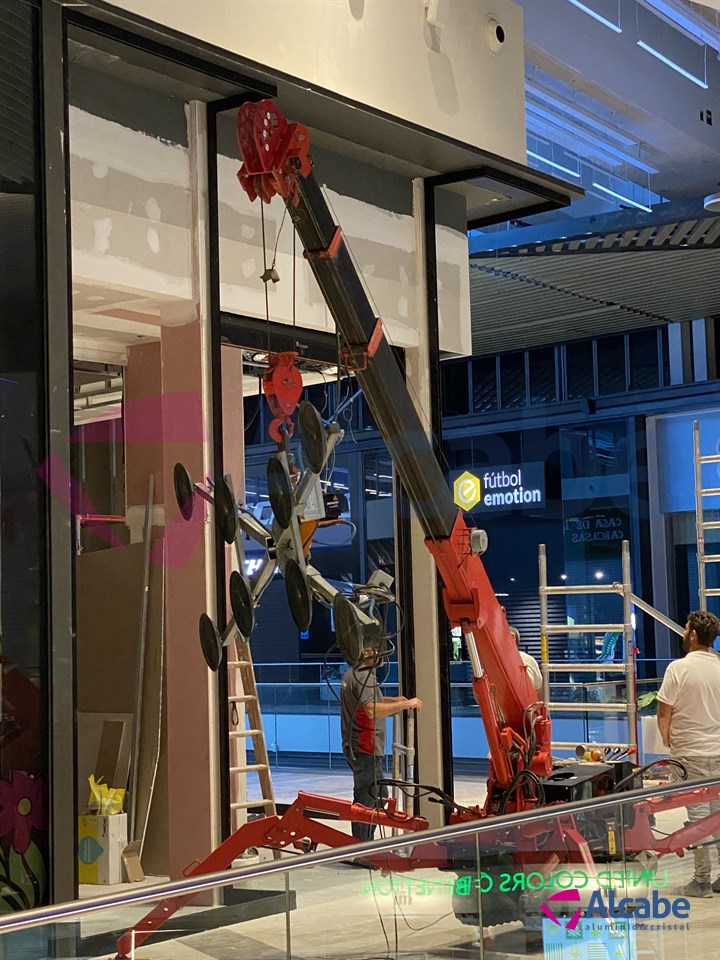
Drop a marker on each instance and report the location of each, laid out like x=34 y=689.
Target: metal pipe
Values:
x=572 y=744
x=410 y=759
x=140 y=673
x=584 y=628
x=544 y=652
x=472 y=650
x=581 y=666
x=660 y=617
x=699 y=533
x=590 y=707
x=631 y=689
x=590 y=588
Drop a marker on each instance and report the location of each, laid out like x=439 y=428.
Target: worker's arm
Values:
x=394 y=699
x=388 y=708
x=664 y=715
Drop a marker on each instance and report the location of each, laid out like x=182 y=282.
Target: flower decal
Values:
x=22 y=809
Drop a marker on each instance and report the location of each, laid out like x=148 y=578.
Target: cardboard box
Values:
x=101 y=841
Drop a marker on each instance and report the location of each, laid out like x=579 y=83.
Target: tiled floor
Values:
x=338 y=783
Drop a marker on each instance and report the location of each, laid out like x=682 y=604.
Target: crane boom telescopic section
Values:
x=276 y=162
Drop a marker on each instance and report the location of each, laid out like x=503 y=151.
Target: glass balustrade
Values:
x=593 y=880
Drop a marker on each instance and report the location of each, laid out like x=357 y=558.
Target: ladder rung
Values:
x=713 y=592
x=572 y=707
x=237 y=734
x=709 y=558
x=710 y=492
x=250 y=768
x=586 y=667
x=712 y=458
x=585 y=628
x=242 y=698
x=571 y=744
x=239 y=663
x=711 y=525
x=247 y=804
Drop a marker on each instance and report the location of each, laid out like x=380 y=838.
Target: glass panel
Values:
x=455 y=392
x=611 y=365
x=512 y=381
x=137 y=345
x=579 y=370
x=484 y=379
x=644 y=368
x=543 y=386
x=601 y=876
x=23 y=496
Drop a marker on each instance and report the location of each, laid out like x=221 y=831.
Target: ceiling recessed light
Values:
x=712 y=203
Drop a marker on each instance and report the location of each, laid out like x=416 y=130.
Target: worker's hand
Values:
x=415 y=704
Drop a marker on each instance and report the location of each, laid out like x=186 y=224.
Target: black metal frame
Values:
x=61 y=677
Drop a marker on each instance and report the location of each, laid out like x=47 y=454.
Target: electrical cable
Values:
x=638 y=772
x=254 y=417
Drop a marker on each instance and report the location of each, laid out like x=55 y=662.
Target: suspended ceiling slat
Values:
x=530 y=300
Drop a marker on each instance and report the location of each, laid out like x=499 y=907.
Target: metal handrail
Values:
x=69 y=911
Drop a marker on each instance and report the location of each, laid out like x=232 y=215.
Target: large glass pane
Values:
x=24 y=800
x=138 y=348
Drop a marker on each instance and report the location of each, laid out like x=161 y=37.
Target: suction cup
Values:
x=298 y=595
x=280 y=492
x=348 y=630
x=184 y=490
x=241 y=602
x=225 y=511
x=210 y=642
x=312 y=436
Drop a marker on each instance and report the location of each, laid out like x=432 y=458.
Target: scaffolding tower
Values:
x=701 y=525
x=626 y=667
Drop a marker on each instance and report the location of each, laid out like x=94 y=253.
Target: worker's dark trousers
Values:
x=367 y=769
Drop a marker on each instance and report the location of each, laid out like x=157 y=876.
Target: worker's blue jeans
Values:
x=367 y=770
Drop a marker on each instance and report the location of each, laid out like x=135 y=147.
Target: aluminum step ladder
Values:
x=403 y=762
x=701 y=525
x=626 y=668
x=245 y=723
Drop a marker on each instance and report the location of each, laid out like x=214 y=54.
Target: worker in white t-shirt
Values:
x=531 y=664
x=689 y=722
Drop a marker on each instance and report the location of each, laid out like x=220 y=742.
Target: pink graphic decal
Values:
x=571 y=896
x=174 y=418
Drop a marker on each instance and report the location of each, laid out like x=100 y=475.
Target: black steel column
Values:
x=58 y=314
x=435 y=413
